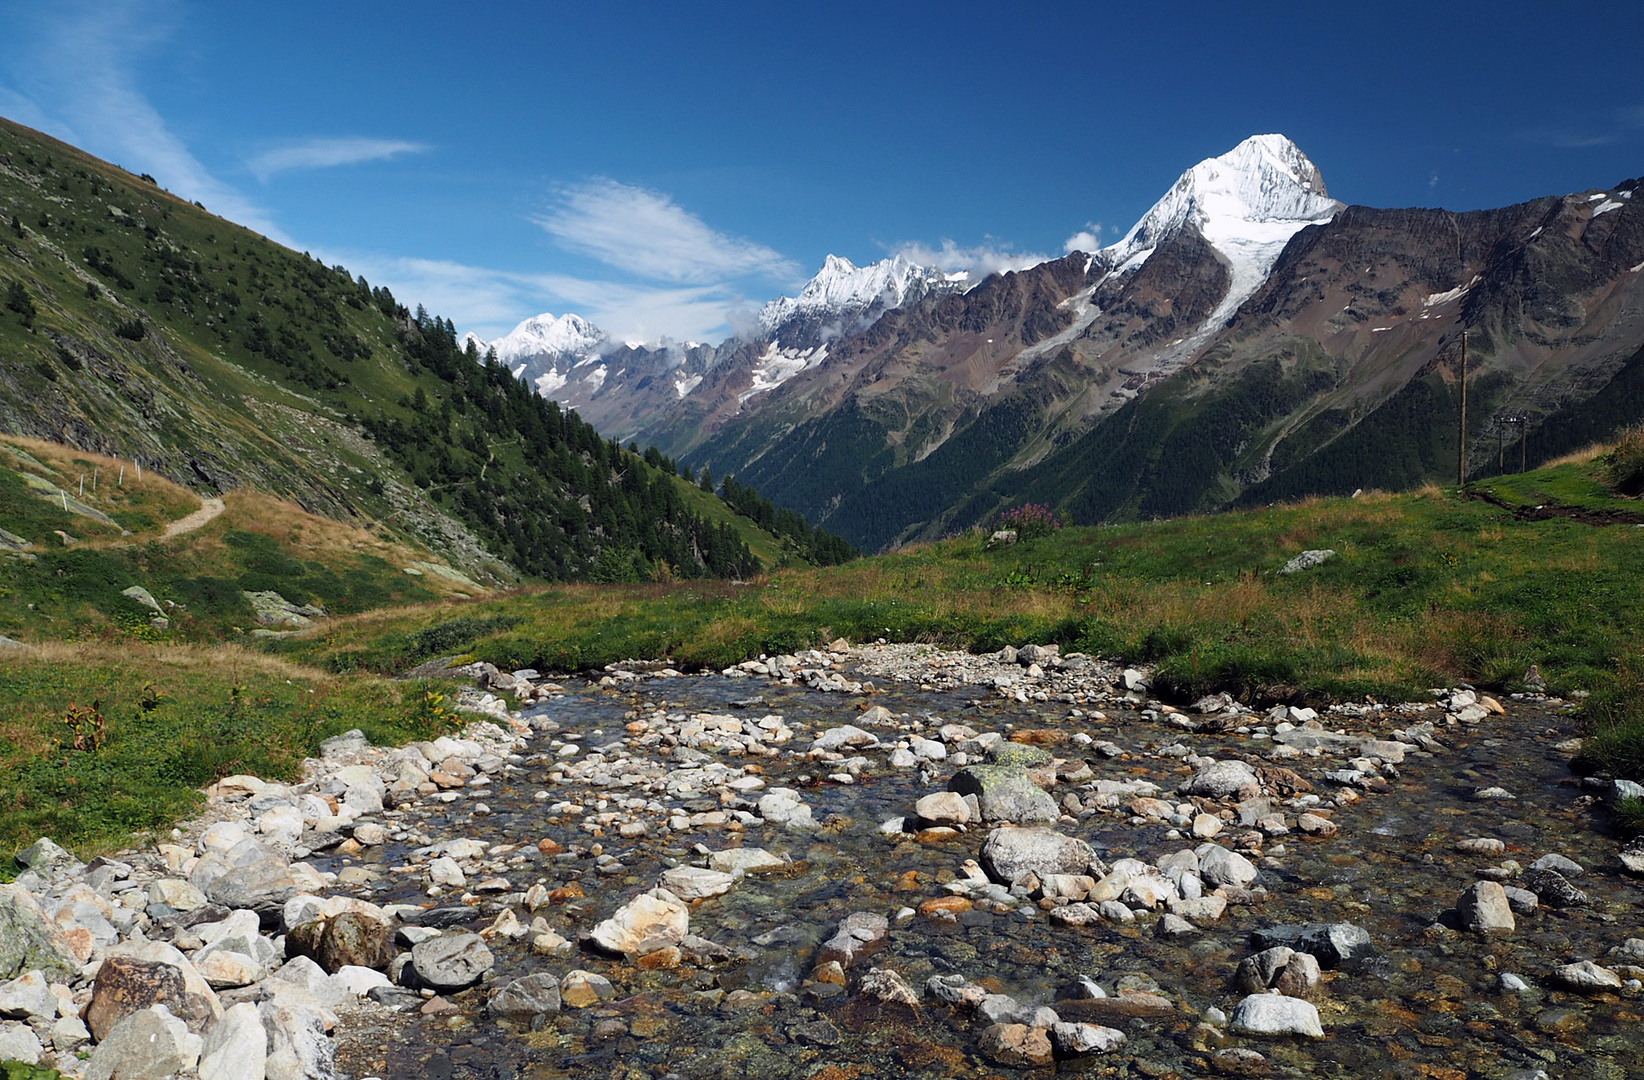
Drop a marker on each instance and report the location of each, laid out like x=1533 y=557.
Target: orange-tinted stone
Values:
x=953 y=905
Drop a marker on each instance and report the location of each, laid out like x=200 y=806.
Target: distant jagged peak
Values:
x=1261 y=192
x=546 y=335
x=843 y=289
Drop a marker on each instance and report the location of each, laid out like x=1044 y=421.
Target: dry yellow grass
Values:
x=111 y=484
x=231 y=661
x=1582 y=456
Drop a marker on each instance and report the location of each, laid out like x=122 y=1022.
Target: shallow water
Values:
x=1427 y=1003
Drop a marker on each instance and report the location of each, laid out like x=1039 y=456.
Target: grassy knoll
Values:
x=75 y=590
x=101 y=741
x=1426 y=588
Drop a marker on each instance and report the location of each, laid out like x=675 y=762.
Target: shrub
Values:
x=1030 y=521
x=1624 y=466
x=1614 y=715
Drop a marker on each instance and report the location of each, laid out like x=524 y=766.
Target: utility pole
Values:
x=1461 y=454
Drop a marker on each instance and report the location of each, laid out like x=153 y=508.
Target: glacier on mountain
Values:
x=842 y=291
x=565 y=337
x=1246 y=204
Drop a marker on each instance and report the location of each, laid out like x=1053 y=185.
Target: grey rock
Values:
x=522 y=999
x=19 y=1043
x=858 y=934
x=1522 y=901
x=1005 y=794
x=451 y=961
x=1586 y=977
x=1259 y=971
x=845 y=736
x=738 y=861
x=263 y=886
x=236 y=1047
x=1114 y=911
x=139 y=1047
x=1558 y=864
x=342 y=746
x=27 y=995
x=298 y=1048
x=1307 y=560
x=68 y=1034
x=695 y=882
x=1170 y=926
x=785 y=808
x=1332 y=943
x=45 y=857
x=1071 y=1040
x=28 y=939
x=1008 y=854
x=1076 y=914
x=1224 y=779
x=887 y=987
x=1275 y=1014
x=1485 y=909
x=1219 y=866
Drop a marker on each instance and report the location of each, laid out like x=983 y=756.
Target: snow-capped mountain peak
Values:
x=545 y=335
x=842 y=290
x=1262 y=191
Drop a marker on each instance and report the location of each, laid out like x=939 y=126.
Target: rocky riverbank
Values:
x=858 y=859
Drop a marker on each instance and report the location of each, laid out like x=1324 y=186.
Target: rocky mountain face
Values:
x=631 y=390
x=1250 y=339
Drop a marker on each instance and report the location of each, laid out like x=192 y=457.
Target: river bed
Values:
x=1428 y=1000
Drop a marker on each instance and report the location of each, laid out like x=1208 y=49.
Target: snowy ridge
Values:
x=567 y=336
x=1246 y=204
x=1259 y=193
x=842 y=291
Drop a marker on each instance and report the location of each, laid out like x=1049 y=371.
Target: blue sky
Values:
x=658 y=166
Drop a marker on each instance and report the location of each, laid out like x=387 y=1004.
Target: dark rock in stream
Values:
x=1553 y=888
x=1334 y=944
x=442 y=918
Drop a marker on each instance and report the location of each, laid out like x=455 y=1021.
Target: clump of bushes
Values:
x=1030 y=521
x=1614 y=716
x=1624 y=466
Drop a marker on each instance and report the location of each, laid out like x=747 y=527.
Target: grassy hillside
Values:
x=140 y=326
x=1426 y=589
x=70 y=579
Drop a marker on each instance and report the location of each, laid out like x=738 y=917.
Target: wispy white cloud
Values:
x=979 y=260
x=1088 y=238
x=490 y=302
x=1617 y=125
x=70 y=69
x=329 y=153
x=646 y=233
